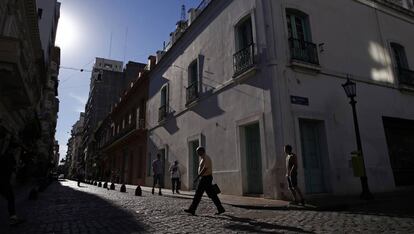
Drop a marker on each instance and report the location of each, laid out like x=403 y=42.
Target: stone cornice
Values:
x=392 y=5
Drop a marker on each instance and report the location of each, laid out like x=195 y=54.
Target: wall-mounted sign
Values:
x=299 y=100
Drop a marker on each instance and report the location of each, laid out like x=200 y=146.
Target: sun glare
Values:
x=67 y=33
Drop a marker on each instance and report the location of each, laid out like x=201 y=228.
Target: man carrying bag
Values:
x=205 y=171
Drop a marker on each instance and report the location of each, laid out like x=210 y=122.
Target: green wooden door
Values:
x=194 y=162
x=253 y=159
x=311 y=140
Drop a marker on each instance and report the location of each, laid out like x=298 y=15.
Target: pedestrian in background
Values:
x=175 y=177
x=7 y=168
x=292 y=175
x=79 y=176
x=158 y=174
x=205 y=172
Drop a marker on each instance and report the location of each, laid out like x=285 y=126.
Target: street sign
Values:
x=299 y=100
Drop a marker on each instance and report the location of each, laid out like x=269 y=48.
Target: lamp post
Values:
x=350 y=90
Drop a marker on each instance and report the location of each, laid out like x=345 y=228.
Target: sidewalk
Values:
x=325 y=202
x=238 y=201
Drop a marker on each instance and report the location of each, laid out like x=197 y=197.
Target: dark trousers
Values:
x=157 y=180
x=6 y=191
x=175 y=184
x=205 y=186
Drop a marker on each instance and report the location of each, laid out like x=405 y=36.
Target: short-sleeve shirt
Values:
x=175 y=171
x=206 y=163
x=157 y=167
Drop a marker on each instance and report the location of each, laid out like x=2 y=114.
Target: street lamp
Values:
x=350 y=90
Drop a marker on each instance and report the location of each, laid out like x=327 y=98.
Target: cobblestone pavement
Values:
x=66 y=208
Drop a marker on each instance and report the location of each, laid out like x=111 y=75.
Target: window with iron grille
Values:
x=405 y=75
x=193 y=77
x=300 y=40
x=243 y=59
x=162 y=111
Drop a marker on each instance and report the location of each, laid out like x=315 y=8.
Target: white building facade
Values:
x=247 y=77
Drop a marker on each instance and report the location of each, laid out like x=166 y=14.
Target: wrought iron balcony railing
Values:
x=162 y=113
x=405 y=76
x=243 y=59
x=192 y=92
x=303 y=51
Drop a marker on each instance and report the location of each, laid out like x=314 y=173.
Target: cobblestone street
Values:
x=66 y=208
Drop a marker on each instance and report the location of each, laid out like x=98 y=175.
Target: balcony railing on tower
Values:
x=303 y=51
x=243 y=59
x=192 y=92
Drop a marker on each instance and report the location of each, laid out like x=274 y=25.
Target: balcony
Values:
x=303 y=51
x=162 y=113
x=405 y=77
x=13 y=72
x=192 y=93
x=243 y=60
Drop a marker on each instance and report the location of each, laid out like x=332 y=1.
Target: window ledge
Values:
x=192 y=103
x=246 y=74
x=305 y=67
x=406 y=87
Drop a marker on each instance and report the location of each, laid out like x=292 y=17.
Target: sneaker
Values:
x=192 y=212
x=14 y=220
x=220 y=211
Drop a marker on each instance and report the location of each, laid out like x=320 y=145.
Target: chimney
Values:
x=151 y=62
x=160 y=53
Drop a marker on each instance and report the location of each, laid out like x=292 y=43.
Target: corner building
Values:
x=243 y=78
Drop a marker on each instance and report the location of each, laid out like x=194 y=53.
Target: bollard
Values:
x=95 y=183
x=105 y=185
x=112 y=186
x=138 y=191
x=123 y=188
x=100 y=184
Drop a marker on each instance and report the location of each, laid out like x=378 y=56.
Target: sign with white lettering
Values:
x=299 y=100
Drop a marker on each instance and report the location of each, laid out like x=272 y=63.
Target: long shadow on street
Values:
x=239 y=224
x=62 y=209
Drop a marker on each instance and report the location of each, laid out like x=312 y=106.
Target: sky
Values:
x=138 y=29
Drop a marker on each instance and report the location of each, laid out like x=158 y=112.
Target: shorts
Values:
x=158 y=180
x=292 y=181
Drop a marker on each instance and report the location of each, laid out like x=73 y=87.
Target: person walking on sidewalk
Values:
x=79 y=176
x=292 y=175
x=175 y=177
x=158 y=174
x=205 y=172
x=7 y=167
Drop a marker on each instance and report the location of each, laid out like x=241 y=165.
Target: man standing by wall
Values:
x=205 y=171
x=158 y=174
x=292 y=174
